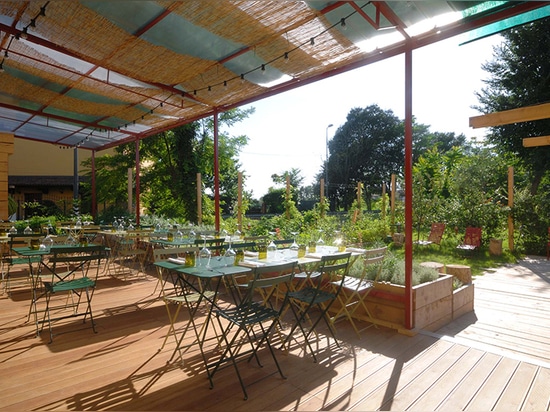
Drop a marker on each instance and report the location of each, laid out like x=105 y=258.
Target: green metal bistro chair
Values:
x=356 y=289
x=247 y=326
x=17 y=270
x=176 y=295
x=319 y=295
x=77 y=280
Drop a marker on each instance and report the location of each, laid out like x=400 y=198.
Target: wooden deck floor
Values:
x=497 y=358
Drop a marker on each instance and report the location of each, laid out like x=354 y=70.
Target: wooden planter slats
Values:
x=434 y=304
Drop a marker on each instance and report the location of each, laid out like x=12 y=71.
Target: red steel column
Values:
x=216 y=174
x=408 y=191
x=94 y=195
x=138 y=191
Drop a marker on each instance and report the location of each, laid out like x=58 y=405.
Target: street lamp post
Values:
x=326 y=160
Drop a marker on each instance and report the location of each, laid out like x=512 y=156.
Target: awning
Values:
x=95 y=74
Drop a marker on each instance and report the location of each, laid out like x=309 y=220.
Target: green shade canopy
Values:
x=95 y=74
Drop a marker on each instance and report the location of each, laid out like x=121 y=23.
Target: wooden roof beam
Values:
x=523 y=114
x=536 y=141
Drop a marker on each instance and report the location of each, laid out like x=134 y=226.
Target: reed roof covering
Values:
x=95 y=74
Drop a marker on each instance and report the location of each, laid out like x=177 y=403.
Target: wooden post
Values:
x=287 y=195
x=383 y=200
x=199 y=199
x=359 y=195
x=510 y=204
x=392 y=203
x=322 y=197
x=240 y=201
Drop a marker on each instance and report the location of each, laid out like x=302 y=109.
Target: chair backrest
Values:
x=472 y=236
x=255 y=238
x=160 y=255
x=21 y=240
x=283 y=243
x=335 y=266
x=210 y=242
x=436 y=233
x=244 y=245
x=374 y=257
x=79 y=258
x=270 y=277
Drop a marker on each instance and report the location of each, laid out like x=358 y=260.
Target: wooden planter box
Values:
x=463 y=300
x=434 y=304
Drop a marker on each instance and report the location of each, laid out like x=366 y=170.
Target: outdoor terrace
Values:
x=496 y=358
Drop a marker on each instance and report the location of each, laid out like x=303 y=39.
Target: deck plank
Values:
x=496 y=358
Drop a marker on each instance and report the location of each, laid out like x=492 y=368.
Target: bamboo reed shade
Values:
x=103 y=73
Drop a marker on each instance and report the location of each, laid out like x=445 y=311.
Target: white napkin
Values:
x=250 y=254
x=355 y=249
x=178 y=261
x=251 y=264
x=314 y=255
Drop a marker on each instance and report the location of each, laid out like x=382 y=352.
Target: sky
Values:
x=290 y=130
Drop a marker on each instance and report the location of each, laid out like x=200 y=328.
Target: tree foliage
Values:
x=170 y=162
x=275 y=198
x=520 y=76
x=367 y=149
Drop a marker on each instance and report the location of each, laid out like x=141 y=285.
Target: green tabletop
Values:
x=217 y=268
x=27 y=251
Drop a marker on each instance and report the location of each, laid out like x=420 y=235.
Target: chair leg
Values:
x=299 y=319
x=232 y=355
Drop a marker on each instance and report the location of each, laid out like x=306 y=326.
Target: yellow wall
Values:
x=6 y=149
x=32 y=158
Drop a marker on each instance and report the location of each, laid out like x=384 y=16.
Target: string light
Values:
x=25 y=30
x=343 y=23
x=262 y=68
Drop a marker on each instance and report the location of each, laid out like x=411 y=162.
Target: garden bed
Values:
x=434 y=304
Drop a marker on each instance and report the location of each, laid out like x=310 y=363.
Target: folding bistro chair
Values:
x=472 y=240
x=127 y=252
x=17 y=270
x=78 y=279
x=320 y=295
x=251 y=322
x=177 y=294
x=356 y=289
x=435 y=236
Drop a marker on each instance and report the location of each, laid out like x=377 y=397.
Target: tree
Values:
x=170 y=162
x=520 y=76
x=367 y=149
x=432 y=178
x=274 y=200
x=479 y=193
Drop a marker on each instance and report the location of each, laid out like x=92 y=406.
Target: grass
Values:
x=447 y=253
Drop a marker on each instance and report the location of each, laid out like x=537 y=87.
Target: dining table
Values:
x=210 y=274
x=204 y=278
